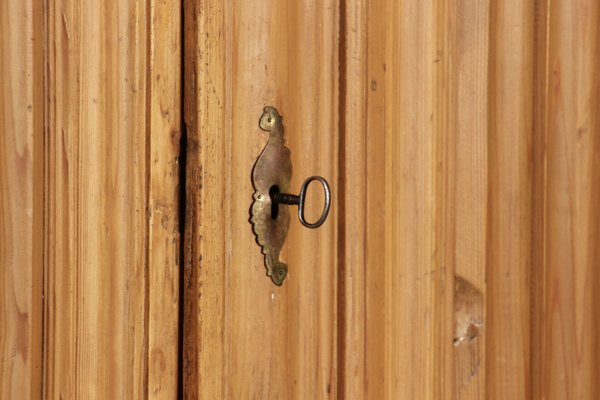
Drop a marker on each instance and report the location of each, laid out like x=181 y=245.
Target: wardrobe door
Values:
x=461 y=142
x=245 y=337
x=90 y=240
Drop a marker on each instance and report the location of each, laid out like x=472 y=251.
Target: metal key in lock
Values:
x=271 y=178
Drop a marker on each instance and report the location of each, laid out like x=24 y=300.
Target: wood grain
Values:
x=398 y=309
x=474 y=175
x=375 y=172
x=206 y=241
x=568 y=350
x=462 y=143
x=538 y=194
x=245 y=337
x=111 y=277
x=353 y=212
x=502 y=178
x=417 y=318
x=466 y=191
x=510 y=185
x=462 y=158
x=21 y=198
x=163 y=180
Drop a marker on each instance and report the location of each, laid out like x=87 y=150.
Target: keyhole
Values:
x=274 y=206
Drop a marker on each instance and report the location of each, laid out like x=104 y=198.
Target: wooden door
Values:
x=463 y=146
x=461 y=140
x=89 y=247
x=244 y=337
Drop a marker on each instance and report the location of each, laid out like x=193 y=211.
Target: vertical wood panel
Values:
x=452 y=211
x=311 y=101
x=375 y=177
x=21 y=198
x=352 y=384
x=465 y=198
x=442 y=258
x=207 y=93
x=163 y=134
x=406 y=105
x=417 y=298
x=112 y=224
x=509 y=184
x=425 y=85
x=538 y=197
x=568 y=348
x=245 y=337
x=461 y=140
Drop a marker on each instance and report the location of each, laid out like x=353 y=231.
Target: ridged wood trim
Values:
x=21 y=198
x=112 y=230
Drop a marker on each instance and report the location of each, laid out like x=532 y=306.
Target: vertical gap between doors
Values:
x=341 y=249
x=182 y=211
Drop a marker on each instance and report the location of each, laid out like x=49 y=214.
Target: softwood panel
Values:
x=468 y=174
x=163 y=180
x=472 y=275
x=509 y=194
x=352 y=223
x=567 y=355
x=466 y=191
x=448 y=101
x=400 y=79
x=111 y=223
x=244 y=337
x=21 y=198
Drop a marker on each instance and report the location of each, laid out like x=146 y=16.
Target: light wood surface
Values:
x=481 y=257
x=352 y=217
x=509 y=195
x=417 y=81
x=244 y=337
x=112 y=231
x=462 y=144
x=452 y=116
x=163 y=179
x=567 y=359
x=465 y=192
x=21 y=199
